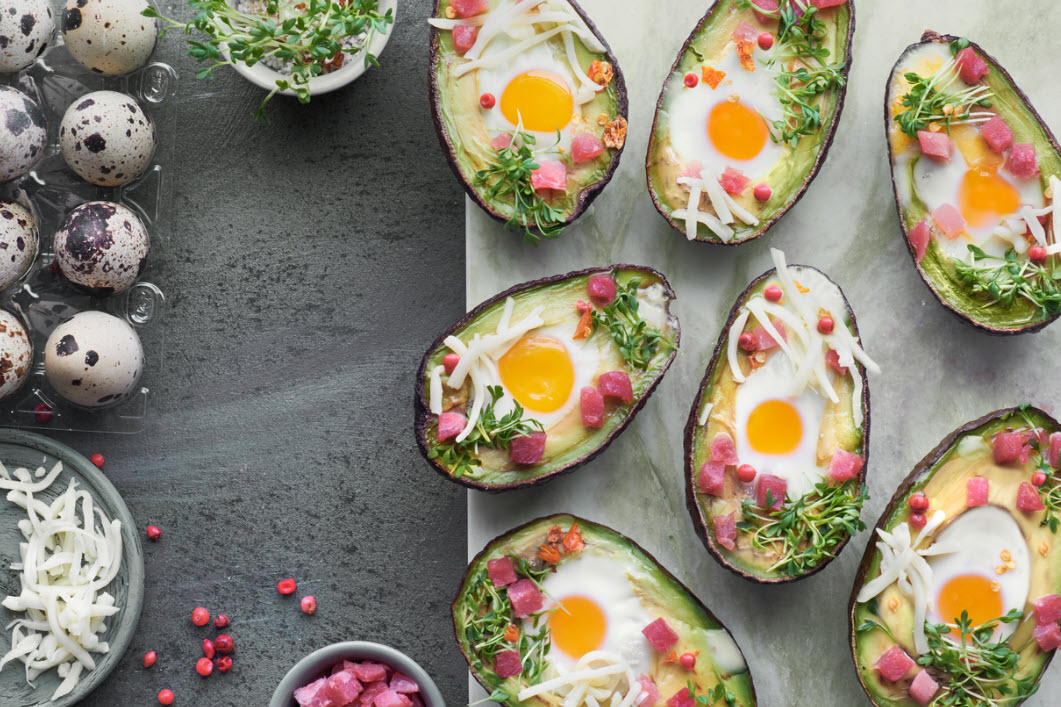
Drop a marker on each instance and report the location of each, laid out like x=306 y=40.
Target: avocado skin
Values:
x=422 y=417
x=920 y=469
x=703 y=529
x=587 y=195
x=827 y=142
x=564 y=519
x=934 y=37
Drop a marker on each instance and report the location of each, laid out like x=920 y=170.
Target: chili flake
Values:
x=615 y=133
x=601 y=73
x=712 y=76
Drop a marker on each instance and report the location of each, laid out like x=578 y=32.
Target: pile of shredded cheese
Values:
x=600 y=679
x=1013 y=229
x=66 y=563
x=726 y=208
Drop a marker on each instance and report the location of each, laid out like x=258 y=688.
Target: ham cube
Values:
x=919 y=236
x=369 y=672
x=764 y=340
x=726 y=530
x=734 y=181
x=502 y=571
x=390 y=698
x=501 y=141
x=342 y=688
x=551 y=174
x=894 y=664
x=311 y=695
x=592 y=404
x=822 y=4
x=1048 y=637
x=692 y=169
x=469 y=8
x=1022 y=161
x=660 y=635
x=616 y=384
x=712 y=478
x=508 y=664
x=526 y=598
x=723 y=449
x=845 y=465
x=767 y=6
x=1047 y=609
x=585 y=147
x=936 y=145
x=464 y=37
x=682 y=698
x=601 y=289
x=1028 y=498
x=997 y=133
x=649 y=691
x=1054 y=458
x=368 y=697
x=923 y=688
x=450 y=425
x=832 y=360
x=1010 y=448
x=971 y=66
x=745 y=32
x=773 y=486
x=528 y=449
x=976 y=490
x=949 y=220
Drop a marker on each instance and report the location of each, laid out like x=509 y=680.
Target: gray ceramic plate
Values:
x=30 y=450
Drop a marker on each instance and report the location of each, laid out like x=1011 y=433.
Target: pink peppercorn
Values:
x=224 y=644
x=204 y=666
x=97 y=460
x=286 y=586
x=773 y=293
x=153 y=532
x=200 y=616
x=1038 y=478
x=309 y=604
x=766 y=40
x=224 y=664
x=208 y=648
x=166 y=697
x=221 y=621
x=691 y=80
x=746 y=473
x=43 y=413
x=149 y=658
x=762 y=192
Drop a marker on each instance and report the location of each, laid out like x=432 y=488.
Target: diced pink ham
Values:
x=592 y=404
x=649 y=690
x=469 y=8
x=723 y=449
x=602 y=289
x=464 y=37
x=616 y=384
x=527 y=449
x=822 y=4
x=949 y=220
x=526 y=598
x=660 y=635
x=971 y=66
x=997 y=134
x=342 y=688
x=845 y=465
x=390 y=698
x=1022 y=161
x=372 y=691
x=725 y=530
x=894 y=664
x=585 y=147
x=919 y=238
x=682 y=698
x=507 y=664
x=1054 y=458
x=369 y=672
x=450 y=425
x=1047 y=609
x=775 y=486
x=1028 y=498
x=976 y=490
x=935 y=145
x=923 y=688
x=745 y=32
x=1010 y=448
x=311 y=695
x=340 y=667
x=764 y=340
x=692 y=169
x=551 y=174
x=768 y=6
x=712 y=478
x=502 y=571
x=501 y=141
x=1048 y=637
x=734 y=181
x=832 y=360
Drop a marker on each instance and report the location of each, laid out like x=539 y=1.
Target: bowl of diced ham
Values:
x=356 y=674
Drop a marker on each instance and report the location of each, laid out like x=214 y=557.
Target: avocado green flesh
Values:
x=457 y=105
x=944 y=484
x=567 y=442
x=660 y=593
x=938 y=269
x=838 y=431
x=795 y=166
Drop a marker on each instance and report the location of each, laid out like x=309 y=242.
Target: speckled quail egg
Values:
x=26 y=27
x=93 y=359
x=109 y=36
x=101 y=247
x=23 y=133
x=18 y=242
x=16 y=353
x=107 y=138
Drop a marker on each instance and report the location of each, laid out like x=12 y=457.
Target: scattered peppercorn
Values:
x=918 y=503
x=487 y=101
x=309 y=604
x=918 y=520
x=149 y=659
x=746 y=473
x=200 y=616
x=747 y=342
x=766 y=40
x=97 y=459
x=687 y=661
x=762 y=192
x=825 y=325
x=224 y=664
x=773 y=293
x=208 y=648
x=221 y=621
x=43 y=412
x=691 y=80
x=224 y=644
x=166 y=697
x=204 y=666
x=286 y=586
x=1038 y=478
x=154 y=532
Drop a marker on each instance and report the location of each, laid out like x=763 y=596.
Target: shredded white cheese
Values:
x=1036 y=228
x=692 y=214
x=1055 y=207
x=717 y=195
x=705 y=413
x=435 y=401
x=611 y=682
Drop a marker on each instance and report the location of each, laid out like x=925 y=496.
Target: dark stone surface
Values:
x=313 y=263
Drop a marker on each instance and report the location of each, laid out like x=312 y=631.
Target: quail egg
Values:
x=93 y=359
x=23 y=133
x=101 y=247
x=26 y=27
x=109 y=36
x=16 y=353
x=107 y=138
x=18 y=242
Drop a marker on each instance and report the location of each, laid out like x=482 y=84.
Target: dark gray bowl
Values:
x=320 y=662
x=30 y=450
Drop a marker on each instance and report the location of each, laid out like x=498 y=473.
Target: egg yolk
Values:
x=736 y=130
x=971 y=593
x=541 y=98
x=984 y=197
x=775 y=427
x=537 y=371
x=578 y=626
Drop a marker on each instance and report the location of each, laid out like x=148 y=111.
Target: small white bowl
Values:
x=264 y=77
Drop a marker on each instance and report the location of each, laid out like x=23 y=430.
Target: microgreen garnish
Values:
x=932 y=100
x=490 y=432
x=310 y=38
x=868 y=625
x=509 y=175
x=1011 y=279
x=638 y=341
x=805 y=532
x=719 y=695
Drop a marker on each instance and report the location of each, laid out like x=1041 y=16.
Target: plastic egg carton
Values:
x=43 y=298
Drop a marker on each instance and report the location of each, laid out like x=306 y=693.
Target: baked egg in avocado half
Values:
x=747 y=115
x=778 y=436
x=541 y=378
x=530 y=107
x=958 y=597
x=563 y=611
x=977 y=181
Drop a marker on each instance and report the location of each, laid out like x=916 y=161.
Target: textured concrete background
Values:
x=311 y=265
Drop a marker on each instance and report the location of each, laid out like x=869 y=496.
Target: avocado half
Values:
x=453 y=99
x=1011 y=103
x=719 y=659
x=560 y=294
x=792 y=175
x=944 y=485
x=697 y=446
